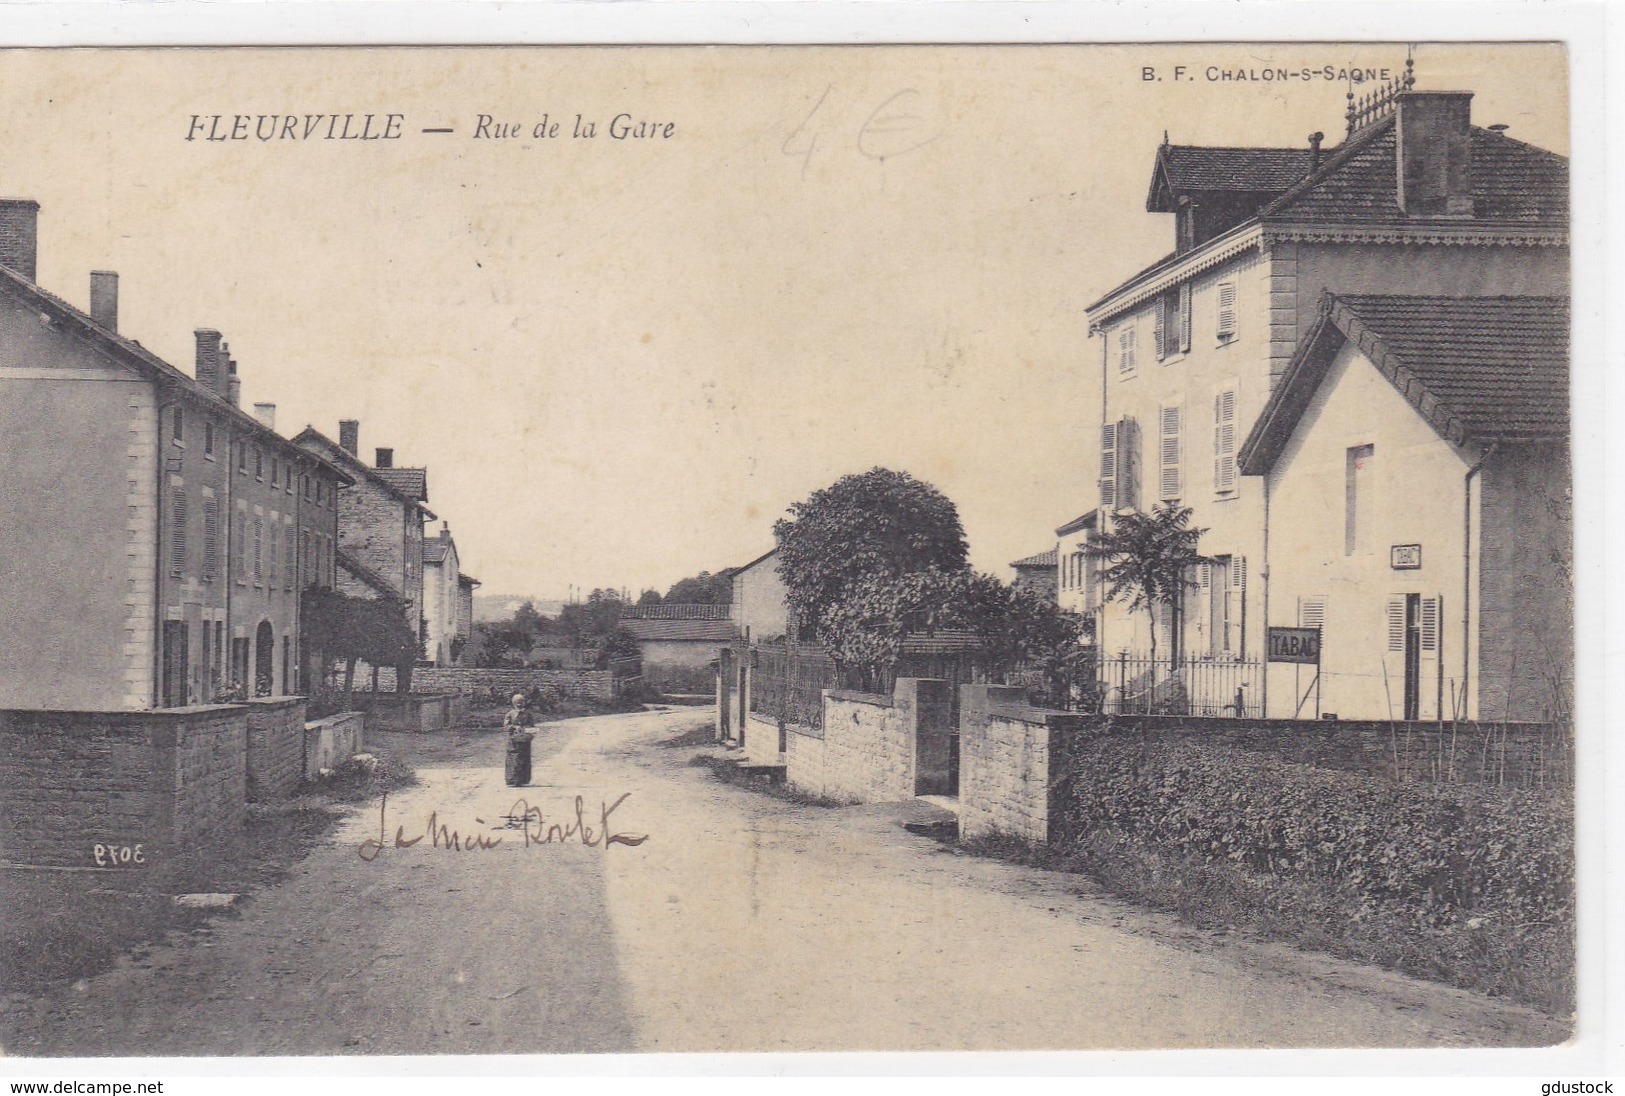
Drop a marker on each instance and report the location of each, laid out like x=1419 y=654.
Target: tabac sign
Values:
x=1300 y=645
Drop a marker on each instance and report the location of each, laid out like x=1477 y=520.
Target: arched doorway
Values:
x=264 y=654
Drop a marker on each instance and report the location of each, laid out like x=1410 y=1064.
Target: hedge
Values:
x=1464 y=881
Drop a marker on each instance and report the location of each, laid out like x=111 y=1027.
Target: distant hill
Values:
x=489 y=607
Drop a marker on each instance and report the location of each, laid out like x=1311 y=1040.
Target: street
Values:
x=742 y=923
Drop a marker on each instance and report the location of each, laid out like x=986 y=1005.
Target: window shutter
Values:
x=1169 y=450
x=1108 y=466
x=1205 y=575
x=1396 y=622
x=272 y=575
x=1430 y=624
x=1160 y=330
x=1185 y=318
x=288 y=563
x=1227 y=309
x=211 y=539
x=1128 y=464
x=177 y=530
x=1224 y=441
x=1125 y=350
x=259 y=550
x=1312 y=611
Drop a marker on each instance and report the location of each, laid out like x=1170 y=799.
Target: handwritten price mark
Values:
x=114 y=856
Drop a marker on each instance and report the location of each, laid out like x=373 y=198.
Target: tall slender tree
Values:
x=1148 y=560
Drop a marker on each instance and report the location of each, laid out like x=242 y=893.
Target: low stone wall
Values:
x=1515 y=754
x=592 y=685
x=414 y=713
x=276 y=730
x=332 y=741
x=804 y=759
x=153 y=792
x=1007 y=762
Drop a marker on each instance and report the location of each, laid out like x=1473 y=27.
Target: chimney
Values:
x=104 y=298
x=19 y=235
x=266 y=413
x=445 y=530
x=385 y=458
x=1314 y=151
x=209 y=371
x=234 y=387
x=349 y=435
x=1434 y=152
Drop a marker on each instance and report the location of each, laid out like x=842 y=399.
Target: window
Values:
x=1224 y=441
x=240 y=554
x=287 y=563
x=1357 y=498
x=274 y=556
x=259 y=551
x=1168 y=455
x=1125 y=350
x=177 y=532
x=208 y=438
x=1173 y=322
x=211 y=539
x=242 y=457
x=259 y=464
x=276 y=472
x=1119 y=446
x=321 y=493
x=1223 y=581
x=1227 y=311
x=177 y=425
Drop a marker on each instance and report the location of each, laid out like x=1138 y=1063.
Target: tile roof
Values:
x=1042 y=559
x=1079 y=523
x=435 y=549
x=709 y=631
x=413 y=482
x=1198 y=167
x=312 y=440
x=1357 y=183
x=1479 y=369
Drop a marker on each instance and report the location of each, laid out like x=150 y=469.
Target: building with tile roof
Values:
x=381 y=518
x=159 y=537
x=1418 y=447
x=1415 y=201
x=1038 y=573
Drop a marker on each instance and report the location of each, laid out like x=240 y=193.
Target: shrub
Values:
x=1469 y=882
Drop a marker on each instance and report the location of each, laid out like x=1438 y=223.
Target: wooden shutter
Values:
x=1128 y=464
x=1160 y=333
x=1396 y=623
x=1185 y=318
x=1237 y=615
x=1108 y=466
x=1430 y=688
x=1168 y=486
x=1227 y=309
x=177 y=529
x=1312 y=611
x=259 y=550
x=1125 y=350
x=211 y=539
x=288 y=562
x=272 y=575
x=1224 y=441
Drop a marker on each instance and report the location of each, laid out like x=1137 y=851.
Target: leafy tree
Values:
x=358 y=629
x=875 y=525
x=1148 y=562
x=648 y=598
x=701 y=589
x=867 y=627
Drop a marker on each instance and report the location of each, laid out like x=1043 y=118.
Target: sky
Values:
x=622 y=359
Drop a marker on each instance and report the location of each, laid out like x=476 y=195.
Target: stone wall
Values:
x=276 y=731
x=1007 y=755
x=413 y=713
x=1522 y=754
x=332 y=741
x=593 y=685
x=172 y=782
x=804 y=759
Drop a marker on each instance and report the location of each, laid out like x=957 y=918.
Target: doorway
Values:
x=264 y=655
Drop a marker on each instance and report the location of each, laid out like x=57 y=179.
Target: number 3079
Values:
x=112 y=856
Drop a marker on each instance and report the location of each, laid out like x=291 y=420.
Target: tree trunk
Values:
x=403 y=679
x=349 y=677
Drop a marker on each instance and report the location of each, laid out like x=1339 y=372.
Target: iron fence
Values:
x=787 y=683
x=1138 y=685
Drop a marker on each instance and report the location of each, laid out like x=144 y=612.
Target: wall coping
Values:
x=853 y=696
x=276 y=701
x=103 y=715
x=1100 y=724
x=336 y=717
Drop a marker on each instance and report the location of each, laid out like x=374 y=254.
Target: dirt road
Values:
x=743 y=922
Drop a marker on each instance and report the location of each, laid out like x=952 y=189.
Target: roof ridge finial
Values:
x=1165 y=137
